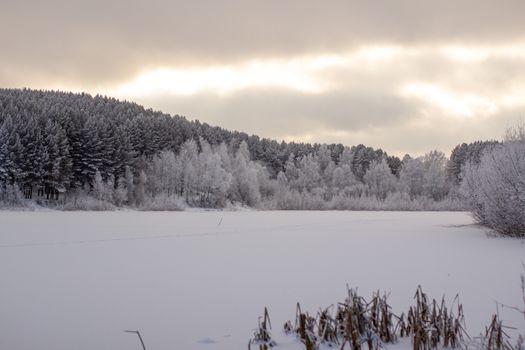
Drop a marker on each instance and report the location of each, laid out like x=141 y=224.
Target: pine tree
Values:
x=6 y=163
x=91 y=151
x=129 y=185
x=99 y=188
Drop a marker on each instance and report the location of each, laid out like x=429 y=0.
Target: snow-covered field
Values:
x=199 y=280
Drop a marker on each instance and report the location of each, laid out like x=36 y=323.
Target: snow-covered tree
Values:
x=6 y=163
x=245 y=181
x=139 y=194
x=121 y=193
x=380 y=179
x=411 y=176
x=163 y=174
x=187 y=160
x=494 y=189
x=309 y=173
x=212 y=181
x=343 y=177
x=435 y=184
x=129 y=186
x=99 y=187
x=131 y=156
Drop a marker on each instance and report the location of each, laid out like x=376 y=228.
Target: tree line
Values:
x=98 y=151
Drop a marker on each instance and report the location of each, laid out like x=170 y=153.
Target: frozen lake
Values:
x=199 y=280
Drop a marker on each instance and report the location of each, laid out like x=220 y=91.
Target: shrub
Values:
x=494 y=189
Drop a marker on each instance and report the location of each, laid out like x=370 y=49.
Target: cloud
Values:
x=390 y=122
x=404 y=75
x=400 y=99
x=282 y=113
x=105 y=41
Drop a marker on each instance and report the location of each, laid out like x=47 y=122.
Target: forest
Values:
x=74 y=151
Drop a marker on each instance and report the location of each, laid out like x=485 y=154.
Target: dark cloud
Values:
x=99 y=40
x=281 y=114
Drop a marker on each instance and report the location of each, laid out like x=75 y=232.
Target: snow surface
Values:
x=199 y=280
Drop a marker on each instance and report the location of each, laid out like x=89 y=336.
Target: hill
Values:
x=60 y=142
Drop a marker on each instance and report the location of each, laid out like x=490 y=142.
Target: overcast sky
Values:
x=407 y=76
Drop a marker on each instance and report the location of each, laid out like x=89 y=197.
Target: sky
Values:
x=408 y=76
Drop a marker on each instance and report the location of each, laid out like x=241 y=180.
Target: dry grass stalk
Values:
x=432 y=325
x=262 y=335
x=358 y=323
x=495 y=337
x=305 y=329
x=327 y=327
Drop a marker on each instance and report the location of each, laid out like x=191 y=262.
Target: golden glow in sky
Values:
x=220 y=80
x=303 y=74
x=326 y=96
x=313 y=75
x=451 y=103
x=403 y=75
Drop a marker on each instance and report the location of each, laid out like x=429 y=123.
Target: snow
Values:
x=199 y=280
